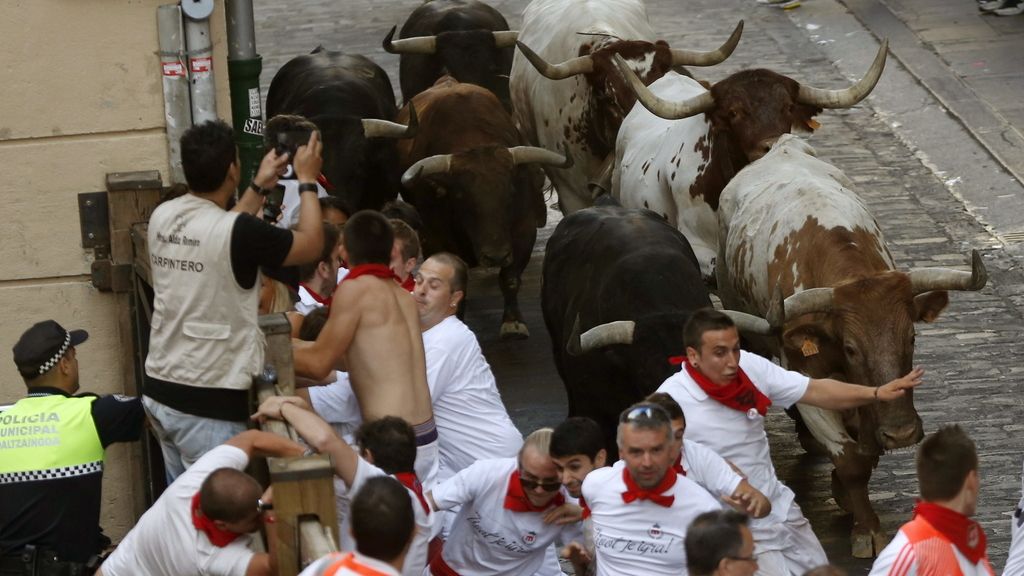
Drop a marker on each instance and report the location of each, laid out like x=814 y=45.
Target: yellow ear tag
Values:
x=813 y=124
x=809 y=348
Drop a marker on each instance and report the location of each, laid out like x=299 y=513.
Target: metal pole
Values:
x=244 y=67
x=177 y=105
x=200 y=63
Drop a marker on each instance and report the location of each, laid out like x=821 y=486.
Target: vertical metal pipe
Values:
x=177 y=105
x=244 y=67
x=200 y=63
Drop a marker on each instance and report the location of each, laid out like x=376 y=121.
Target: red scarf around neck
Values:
x=315 y=296
x=740 y=394
x=410 y=481
x=219 y=538
x=378 y=270
x=966 y=534
x=517 y=501
x=678 y=466
x=634 y=492
x=409 y=284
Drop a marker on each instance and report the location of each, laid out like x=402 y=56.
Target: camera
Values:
x=289 y=141
x=272 y=204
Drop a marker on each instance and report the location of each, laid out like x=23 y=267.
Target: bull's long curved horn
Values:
x=695 y=58
x=439 y=164
x=376 y=128
x=808 y=301
x=928 y=279
x=567 y=69
x=416 y=45
x=658 y=106
x=748 y=322
x=505 y=38
x=534 y=155
x=618 y=332
x=848 y=96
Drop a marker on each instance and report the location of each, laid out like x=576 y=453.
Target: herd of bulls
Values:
x=672 y=189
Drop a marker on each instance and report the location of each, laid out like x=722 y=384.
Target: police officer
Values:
x=51 y=459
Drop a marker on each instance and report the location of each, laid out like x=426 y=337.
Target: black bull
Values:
x=607 y=264
x=336 y=92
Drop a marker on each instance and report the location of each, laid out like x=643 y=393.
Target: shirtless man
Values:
x=373 y=333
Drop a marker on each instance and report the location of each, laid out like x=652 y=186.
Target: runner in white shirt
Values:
x=1015 y=560
x=501 y=527
x=720 y=544
x=383 y=527
x=786 y=544
x=317 y=279
x=390 y=442
x=639 y=508
x=472 y=422
x=175 y=537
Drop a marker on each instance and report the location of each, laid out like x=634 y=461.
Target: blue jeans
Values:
x=184 y=438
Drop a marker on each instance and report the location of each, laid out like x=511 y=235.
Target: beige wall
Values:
x=81 y=97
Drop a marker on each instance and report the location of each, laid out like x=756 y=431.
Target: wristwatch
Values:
x=308 y=187
x=259 y=189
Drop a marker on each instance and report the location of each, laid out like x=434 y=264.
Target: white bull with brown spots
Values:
x=793 y=228
x=676 y=156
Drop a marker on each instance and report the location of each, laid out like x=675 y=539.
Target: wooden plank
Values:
x=140 y=259
x=277 y=331
x=303 y=490
x=126 y=208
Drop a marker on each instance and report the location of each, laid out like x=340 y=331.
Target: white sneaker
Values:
x=1011 y=8
x=990 y=5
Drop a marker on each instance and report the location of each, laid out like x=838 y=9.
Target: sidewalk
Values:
x=970 y=61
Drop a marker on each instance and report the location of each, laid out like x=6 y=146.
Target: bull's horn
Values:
x=439 y=164
x=808 y=301
x=567 y=69
x=618 y=332
x=748 y=322
x=375 y=128
x=776 y=315
x=533 y=155
x=658 y=106
x=417 y=45
x=695 y=58
x=928 y=279
x=848 y=96
x=505 y=38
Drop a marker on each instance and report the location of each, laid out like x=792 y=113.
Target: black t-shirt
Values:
x=63 y=514
x=255 y=243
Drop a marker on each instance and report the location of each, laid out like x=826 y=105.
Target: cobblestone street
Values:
x=974 y=374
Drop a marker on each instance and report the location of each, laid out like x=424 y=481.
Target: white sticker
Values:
x=254 y=103
x=201 y=64
x=174 y=68
x=253 y=126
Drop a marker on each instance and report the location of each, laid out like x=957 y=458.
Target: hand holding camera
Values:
x=307 y=162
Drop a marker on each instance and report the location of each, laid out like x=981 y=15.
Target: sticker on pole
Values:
x=201 y=65
x=253 y=126
x=254 y=103
x=173 y=69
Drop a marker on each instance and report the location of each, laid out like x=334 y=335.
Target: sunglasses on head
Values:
x=644 y=412
x=528 y=485
x=262 y=506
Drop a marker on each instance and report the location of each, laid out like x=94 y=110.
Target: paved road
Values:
x=971 y=352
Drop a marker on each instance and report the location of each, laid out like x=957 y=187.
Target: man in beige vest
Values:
x=373 y=333
x=205 y=345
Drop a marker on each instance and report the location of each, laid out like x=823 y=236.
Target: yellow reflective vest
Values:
x=44 y=437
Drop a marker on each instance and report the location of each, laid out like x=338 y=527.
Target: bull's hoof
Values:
x=867 y=544
x=512 y=330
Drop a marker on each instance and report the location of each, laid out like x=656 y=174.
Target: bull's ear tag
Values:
x=809 y=348
x=813 y=125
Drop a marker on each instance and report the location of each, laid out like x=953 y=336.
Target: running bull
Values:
x=351 y=101
x=618 y=286
x=573 y=41
x=793 y=227
x=476 y=187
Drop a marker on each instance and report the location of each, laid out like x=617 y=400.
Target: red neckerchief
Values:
x=966 y=534
x=678 y=466
x=656 y=494
x=219 y=538
x=378 y=270
x=516 y=500
x=586 y=509
x=740 y=394
x=410 y=481
x=323 y=181
x=409 y=284
x=316 y=297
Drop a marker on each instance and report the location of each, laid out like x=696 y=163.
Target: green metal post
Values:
x=244 y=67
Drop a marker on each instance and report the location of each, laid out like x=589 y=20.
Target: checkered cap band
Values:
x=56 y=357
x=52 y=473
